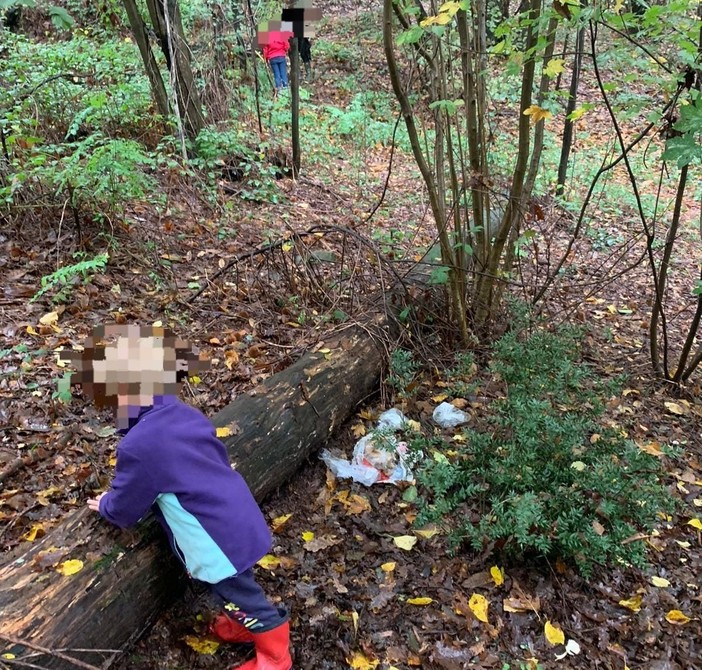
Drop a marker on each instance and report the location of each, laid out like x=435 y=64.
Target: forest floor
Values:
x=348 y=589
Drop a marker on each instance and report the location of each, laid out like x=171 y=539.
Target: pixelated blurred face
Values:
x=127 y=366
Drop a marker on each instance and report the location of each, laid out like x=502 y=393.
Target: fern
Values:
x=63 y=276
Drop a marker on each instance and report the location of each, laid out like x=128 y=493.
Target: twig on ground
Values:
x=49 y=652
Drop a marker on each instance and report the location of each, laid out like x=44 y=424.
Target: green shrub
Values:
x=543 y=476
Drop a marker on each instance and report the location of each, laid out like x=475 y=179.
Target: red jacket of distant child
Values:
x=277 y=44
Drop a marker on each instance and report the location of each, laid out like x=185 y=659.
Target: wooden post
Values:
x=295 y=101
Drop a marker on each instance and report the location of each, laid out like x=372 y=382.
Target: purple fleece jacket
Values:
x=171 y=460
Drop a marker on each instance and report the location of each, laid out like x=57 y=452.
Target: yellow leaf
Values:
x=158 y=324
x=405 y=542
x=618 y=6
x=388 y=567
x=231 y=358
x=479 y=606
x=354 y=618
x=269 y=562
x=49 y=319
x=70 y=567
x=450 y=7
x=577 y=114
x=8 y=656
x=420 y=601
x=660 y=582
x=537 y=113
x=287 y=246
x=677 y=617
x=112 y=461
x=578 y=466
x=32 y=533
x=414 y=425
x=497 y=575
x=201 y=645
x=224 y=431
x=358 y=430
x=427 y=533
x=674 y=408
x=554 y=67
x=279 y=522
x=554 y=635
x=684 y=545
x=633 y=604
x=695 y=523
x=439 y=398
x=308 y=536
x=31 y=331
x=359 y=661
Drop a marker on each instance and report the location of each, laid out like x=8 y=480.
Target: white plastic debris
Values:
x=448 y=416
x=392 y=419
x=377 y=457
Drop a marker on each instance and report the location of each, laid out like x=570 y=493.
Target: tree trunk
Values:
x=168 y=25
x=158 y=89
x=128 y=578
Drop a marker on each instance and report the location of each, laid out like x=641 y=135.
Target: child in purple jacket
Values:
x=171 y=462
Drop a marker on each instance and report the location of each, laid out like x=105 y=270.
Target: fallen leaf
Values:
x=695 y=523
x=427 y=533
x=498 y=576
x=279 y=522
x=677 y=617
x=388 y=567
x=479 y=606
x=359 y=661
x=405 y=542
x=674 y=408
x=224 y=431
x=49 y=319
x=358 y=430
x=420 y=601
x=554 y=634
x=660 y=582
x=33 y=532
x=354 y=618
x=308 y=536
x=70 y=567
x=269 y=562
x=633 y=603
x=202 y=645
x=521 y=604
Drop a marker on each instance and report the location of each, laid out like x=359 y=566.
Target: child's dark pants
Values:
x=244 y=601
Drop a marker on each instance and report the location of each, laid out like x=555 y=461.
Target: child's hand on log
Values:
x=94 y=503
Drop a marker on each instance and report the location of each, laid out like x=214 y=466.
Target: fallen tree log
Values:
x=128 y=577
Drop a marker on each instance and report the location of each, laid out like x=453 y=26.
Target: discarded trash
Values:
x=448 y=416
x=393 y=419
x=377 y=457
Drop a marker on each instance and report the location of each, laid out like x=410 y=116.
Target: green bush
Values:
x=543 y=476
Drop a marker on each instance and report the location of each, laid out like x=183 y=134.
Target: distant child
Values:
x=276 y=44
x=170 y=461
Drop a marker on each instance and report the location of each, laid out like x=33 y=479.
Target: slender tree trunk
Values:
x=486 y=281
x=168 y=25
x=158 y=89
x=570 y=107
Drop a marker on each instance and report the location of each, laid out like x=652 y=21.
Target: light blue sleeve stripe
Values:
x=203 y=558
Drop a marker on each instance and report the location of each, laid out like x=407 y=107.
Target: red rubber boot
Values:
x=272 y=650
x=227 y=629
